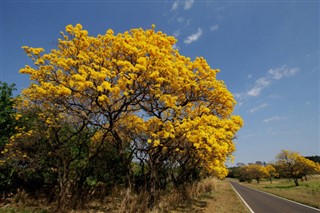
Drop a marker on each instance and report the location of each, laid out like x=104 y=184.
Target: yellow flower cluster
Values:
x=133 y=73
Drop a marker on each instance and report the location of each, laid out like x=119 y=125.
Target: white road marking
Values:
x=245 y=203
x=286 y=199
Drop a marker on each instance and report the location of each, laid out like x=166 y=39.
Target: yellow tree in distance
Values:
x=139 y=95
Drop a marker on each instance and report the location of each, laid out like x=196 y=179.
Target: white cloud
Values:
x=273 y=131
x=238 y=95
x=180 y=20
x=260 y=84
x=258 y=108
x=272 y=75
x=193 y=37
x=214 y=27
x=175 y=5
x=254 y=91
x=176 y=33
x=283 y=71
x=175 y=46
x=188 y=4
x=273 y=118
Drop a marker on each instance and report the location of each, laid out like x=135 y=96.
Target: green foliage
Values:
x=7 y=119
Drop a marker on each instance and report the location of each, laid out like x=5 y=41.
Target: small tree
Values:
x=270 y=172
x=252 y=171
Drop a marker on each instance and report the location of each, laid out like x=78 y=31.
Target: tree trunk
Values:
x=77 y=201
x=62 y=199
x=64 y=188
x=153 y=187
x=296 y=181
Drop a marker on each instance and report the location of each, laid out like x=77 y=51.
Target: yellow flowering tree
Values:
x=134 y=92
x=271 y=172
x=292 y=165
x=253 y=171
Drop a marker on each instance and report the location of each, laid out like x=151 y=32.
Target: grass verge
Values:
x=219 y=198
x=225 y=200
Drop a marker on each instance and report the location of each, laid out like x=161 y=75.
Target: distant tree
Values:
x=315 y=158
x=257 y=172
x=234 y=172
x=293 y=165
x=259 y=163
x=253 y=171
x=271 y=171
x=240 y=164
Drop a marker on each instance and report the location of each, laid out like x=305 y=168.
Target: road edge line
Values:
x=245 y=203
x=283 y=198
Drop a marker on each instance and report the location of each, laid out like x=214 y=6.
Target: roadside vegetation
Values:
x=209 y=195
x=289 y=165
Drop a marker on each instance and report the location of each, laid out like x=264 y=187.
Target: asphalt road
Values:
x=260 y=202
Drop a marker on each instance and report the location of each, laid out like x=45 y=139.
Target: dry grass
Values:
x=225 y=200
x=210 y=195
x=191 y=199
x=308 y=192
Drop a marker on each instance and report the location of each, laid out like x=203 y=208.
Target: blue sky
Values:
x=268 y=53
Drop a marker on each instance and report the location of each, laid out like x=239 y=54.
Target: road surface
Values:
x=261 y=202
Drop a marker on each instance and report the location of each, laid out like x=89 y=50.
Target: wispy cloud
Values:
x=180 y=20
x=307 y=103
x=188 y=4
x=214 y=27
x=260 y=84
x=176 y=33
x=283 y=71
x=175 y=46
x=272 y=75
x=175 y=5
x=273 y=131
x=194 y=37
x=273 y=118
x=261 y=106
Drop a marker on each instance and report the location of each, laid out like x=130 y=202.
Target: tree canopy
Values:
x=124 y=99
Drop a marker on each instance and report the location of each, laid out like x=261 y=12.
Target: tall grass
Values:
x=208 y=195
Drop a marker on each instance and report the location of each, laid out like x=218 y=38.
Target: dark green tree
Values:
x=7 y=118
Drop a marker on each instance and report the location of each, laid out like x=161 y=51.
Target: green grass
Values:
x=308 y=192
